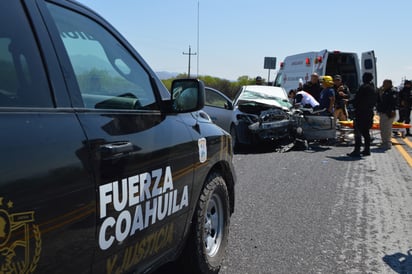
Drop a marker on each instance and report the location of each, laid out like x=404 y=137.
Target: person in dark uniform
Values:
x=364 y=102
x=341 y=98
x=386 y=107
x=313 y=87
x=405 y=104
x=259 y=80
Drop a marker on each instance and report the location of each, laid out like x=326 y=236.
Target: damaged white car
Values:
x=260 y=114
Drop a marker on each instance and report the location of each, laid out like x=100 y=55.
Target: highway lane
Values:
x=319 y=211
x=404 y=146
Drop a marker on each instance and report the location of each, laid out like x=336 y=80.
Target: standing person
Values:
x=313 y=86
x=259 y=81
x=364 y=102
x=341 y=98
x=405 y=104
x=387 y=101
x=327 y=95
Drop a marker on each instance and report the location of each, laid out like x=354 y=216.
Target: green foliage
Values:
x=229 y=88
x=168 y=83
x=93 y=81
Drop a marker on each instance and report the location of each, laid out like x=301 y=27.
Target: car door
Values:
x=47 y=195
x=142 y=157
x=219 y=107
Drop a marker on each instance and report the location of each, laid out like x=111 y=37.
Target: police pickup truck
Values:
x=102 y=169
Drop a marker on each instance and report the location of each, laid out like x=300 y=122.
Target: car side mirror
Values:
x=187 y=95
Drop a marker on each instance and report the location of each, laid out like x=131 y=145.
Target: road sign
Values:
x=270 y=63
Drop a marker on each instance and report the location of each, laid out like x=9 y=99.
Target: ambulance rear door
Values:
x=321 y=60
x=368 y=64
x=295 y=68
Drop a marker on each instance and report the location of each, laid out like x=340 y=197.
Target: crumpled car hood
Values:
x=266 y=114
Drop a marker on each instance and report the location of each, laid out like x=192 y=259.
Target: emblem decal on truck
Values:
x=20 y=240
x=202 y=149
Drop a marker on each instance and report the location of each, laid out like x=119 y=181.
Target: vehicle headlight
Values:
x=254 y=126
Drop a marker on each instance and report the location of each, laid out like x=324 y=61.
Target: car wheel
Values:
x=210 y=227
x=235 y=141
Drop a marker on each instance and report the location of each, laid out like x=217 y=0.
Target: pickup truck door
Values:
x=368 y=64
x=47 y=196
x=143 y=158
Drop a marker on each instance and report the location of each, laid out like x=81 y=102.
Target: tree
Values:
x=229 y=88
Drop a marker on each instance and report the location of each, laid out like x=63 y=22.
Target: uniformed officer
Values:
x=405 y=104
x=364 y=102
x=387 y=102
x=342 y=96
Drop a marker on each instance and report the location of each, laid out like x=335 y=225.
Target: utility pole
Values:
x=190 y=54
x=198 y=52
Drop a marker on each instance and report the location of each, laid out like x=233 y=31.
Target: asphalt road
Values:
x=319 y=211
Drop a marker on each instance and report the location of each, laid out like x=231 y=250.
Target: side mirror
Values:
x=187 y=95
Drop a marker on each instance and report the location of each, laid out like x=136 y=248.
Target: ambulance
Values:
x=299 y=67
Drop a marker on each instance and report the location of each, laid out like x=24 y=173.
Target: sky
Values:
x=231 y=38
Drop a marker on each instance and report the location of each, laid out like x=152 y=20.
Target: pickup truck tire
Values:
x=210 y=228
x=235 y=141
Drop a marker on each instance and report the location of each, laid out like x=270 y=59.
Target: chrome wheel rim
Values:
x=214 y=225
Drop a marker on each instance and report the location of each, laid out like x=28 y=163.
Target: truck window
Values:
x=23 y=81
x=107 y=74
x=279 y=80
x=214 y=99
x=346 y=65
x=368 y=64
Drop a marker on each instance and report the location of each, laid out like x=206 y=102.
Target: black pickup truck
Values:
x=102 y=169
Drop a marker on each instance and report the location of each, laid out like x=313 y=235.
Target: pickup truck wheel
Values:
x=210 y=227
x=235 y=141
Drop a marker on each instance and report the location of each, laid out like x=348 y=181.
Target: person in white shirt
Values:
x=303 y=99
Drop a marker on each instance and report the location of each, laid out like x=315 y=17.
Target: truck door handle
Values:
x=116 y=148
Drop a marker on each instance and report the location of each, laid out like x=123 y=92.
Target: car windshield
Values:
x=248 y=95
x=252 y=95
